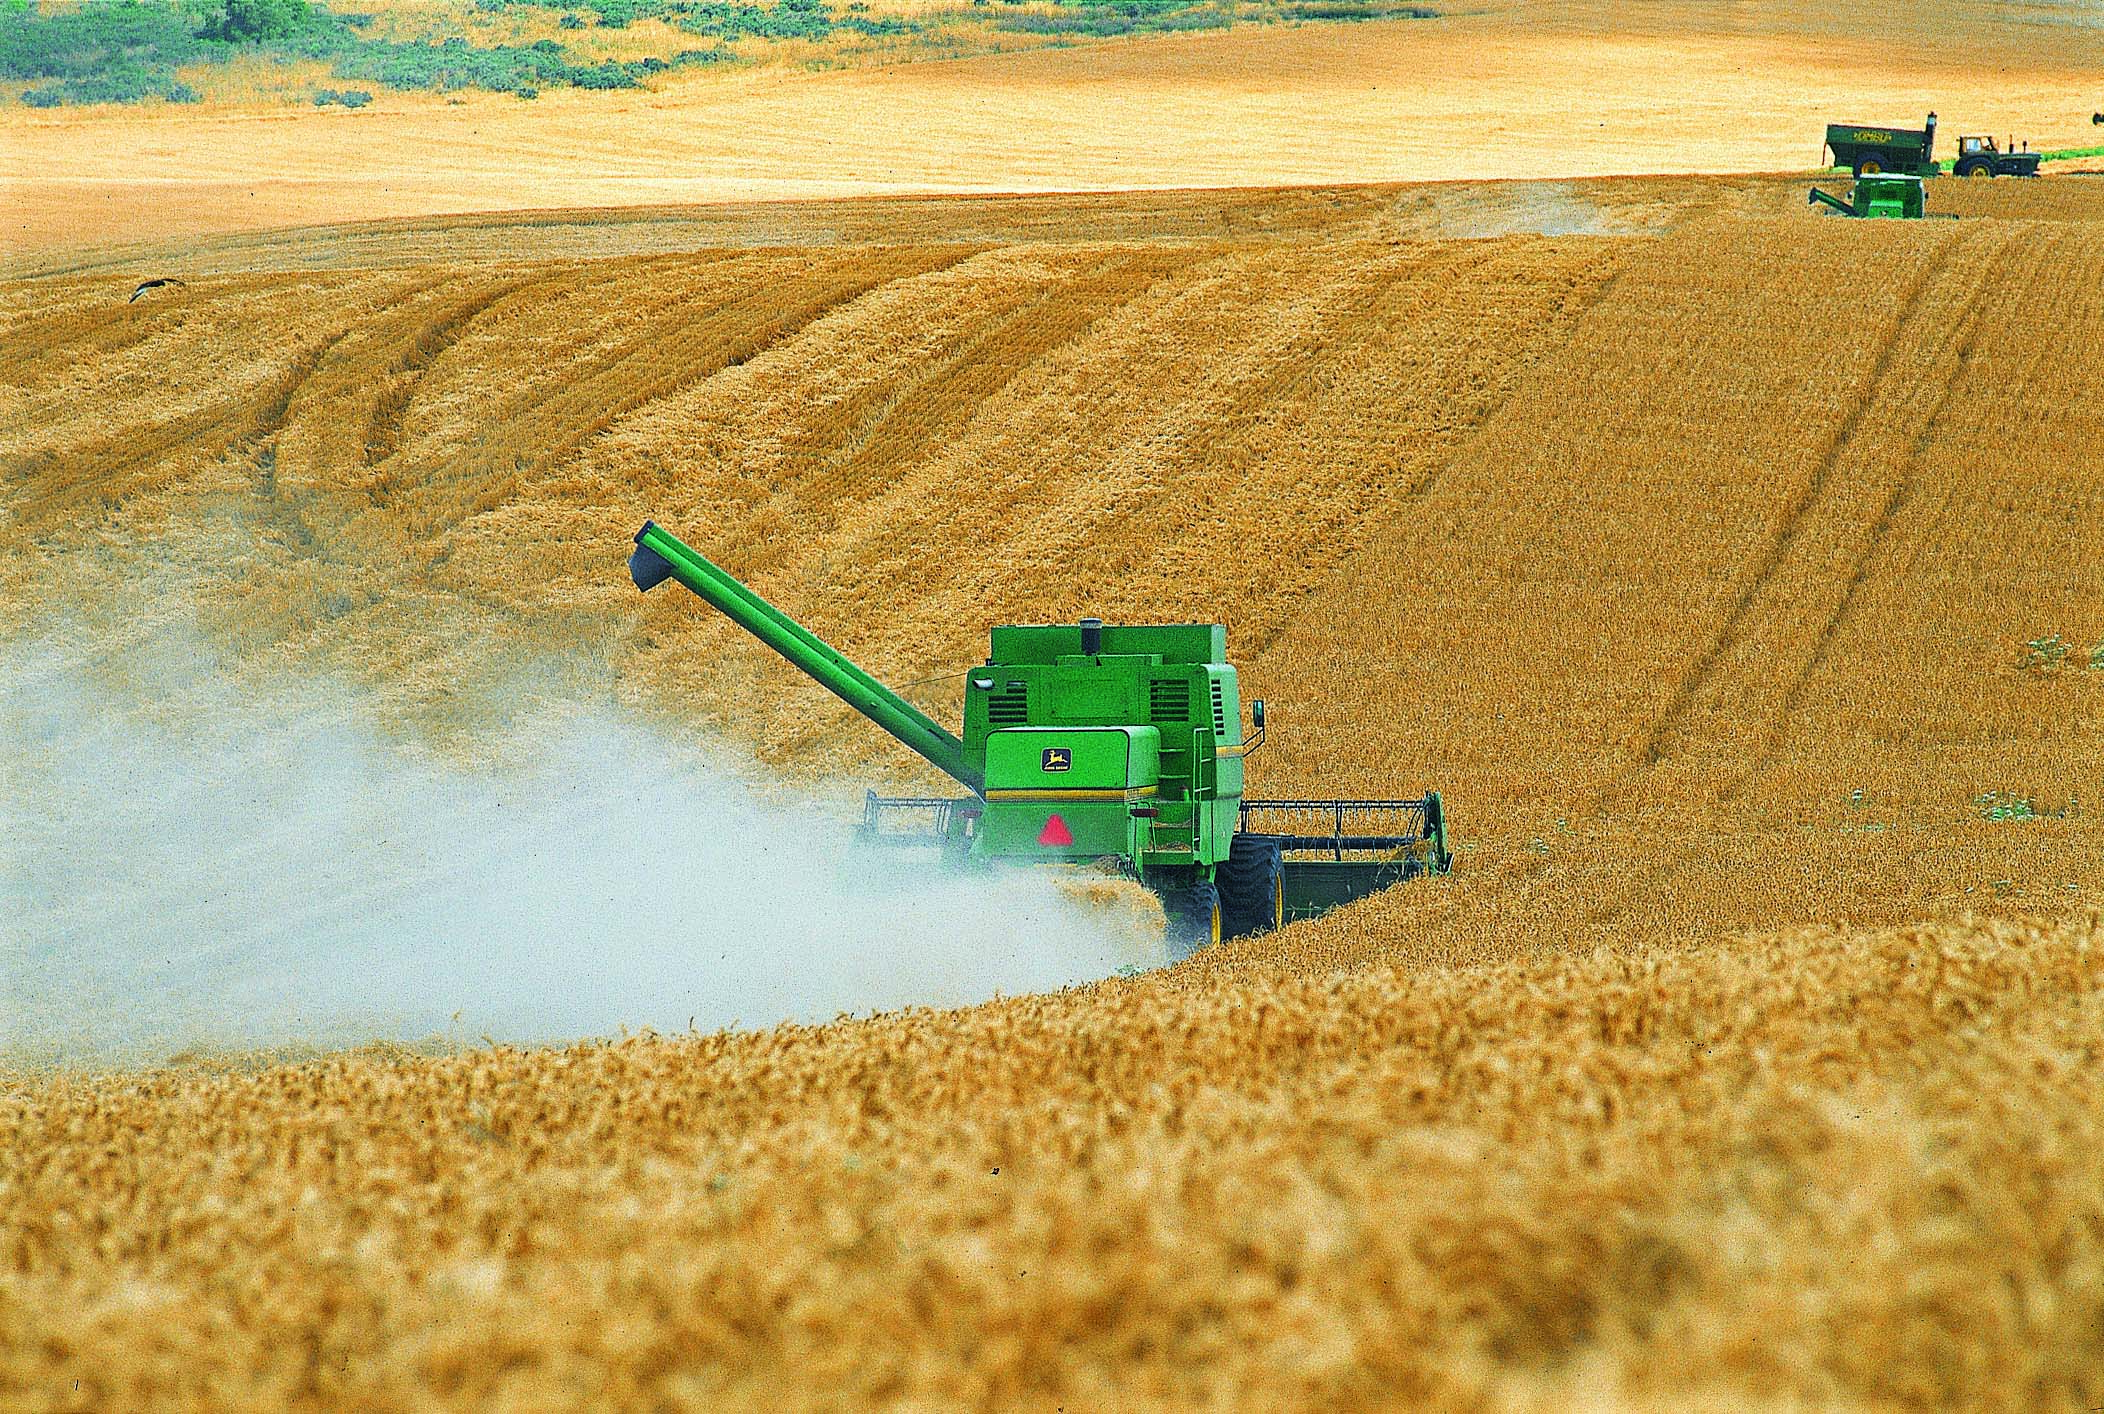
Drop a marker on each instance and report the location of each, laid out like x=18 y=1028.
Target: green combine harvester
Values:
x=1897 y=198
x=1107 y=746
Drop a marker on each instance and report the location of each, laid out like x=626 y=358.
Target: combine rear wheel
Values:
x=1253 y=886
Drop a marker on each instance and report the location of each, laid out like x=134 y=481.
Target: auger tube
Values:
x=661 y=555
x=1820 y=198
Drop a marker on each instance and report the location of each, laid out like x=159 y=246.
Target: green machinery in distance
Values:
x=1979 y=157
x=1869 y=151
x=1894 y=197
x=1911 y=152
x=1096 y=744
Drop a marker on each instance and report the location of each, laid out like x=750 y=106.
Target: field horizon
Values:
x=1574 y=89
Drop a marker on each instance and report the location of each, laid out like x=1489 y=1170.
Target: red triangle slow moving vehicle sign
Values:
x=1055 y=835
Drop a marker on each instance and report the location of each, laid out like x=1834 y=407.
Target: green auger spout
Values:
x=660 y=555
x=1820 y=198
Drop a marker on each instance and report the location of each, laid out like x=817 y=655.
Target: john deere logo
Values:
x=1056 y=758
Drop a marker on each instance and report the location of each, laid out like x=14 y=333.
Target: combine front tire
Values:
x=1194 y=919
x=1253 y=886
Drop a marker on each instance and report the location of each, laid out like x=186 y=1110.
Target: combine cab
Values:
x=1107 y=746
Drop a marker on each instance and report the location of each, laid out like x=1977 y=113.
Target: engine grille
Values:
x=1010 y=707
x=1169 y=700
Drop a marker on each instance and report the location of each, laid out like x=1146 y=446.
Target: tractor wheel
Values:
x=1253 y=886
x=1976 y=169
x=1194 y=919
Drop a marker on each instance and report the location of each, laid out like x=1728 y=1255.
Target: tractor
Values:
x=1979 y=157
x=1107 y=746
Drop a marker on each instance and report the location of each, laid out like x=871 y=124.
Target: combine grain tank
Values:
x=1108 y=746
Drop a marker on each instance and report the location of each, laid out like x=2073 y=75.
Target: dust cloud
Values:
x=188 y=864
x=1522 y=209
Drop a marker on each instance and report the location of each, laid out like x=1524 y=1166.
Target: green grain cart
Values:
x=1103 y=745
x=1869 y=151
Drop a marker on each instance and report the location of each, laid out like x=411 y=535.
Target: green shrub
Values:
x=2004 y=805
x=78 y=45
x=605 y=76
x=121 y=82
x=257 y=21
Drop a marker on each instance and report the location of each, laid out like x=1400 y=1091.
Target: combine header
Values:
x=1109 y=746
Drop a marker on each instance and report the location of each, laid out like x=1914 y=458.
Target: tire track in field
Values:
x=1733 y=729
x=1668 y=732
x=311 y=504
x=645 y=370
x=604 y=287
x=113 y=469
x=383 y=426
x=122 y=459
x=1984 y=267
x=941 y=399
x=614 y=337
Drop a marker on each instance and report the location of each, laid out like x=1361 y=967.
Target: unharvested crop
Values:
x=1844 y=1169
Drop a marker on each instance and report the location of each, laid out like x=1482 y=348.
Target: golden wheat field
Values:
x=1732 y=571
x=1692 y=549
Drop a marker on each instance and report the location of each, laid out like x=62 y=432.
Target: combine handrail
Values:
x=661 y=555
